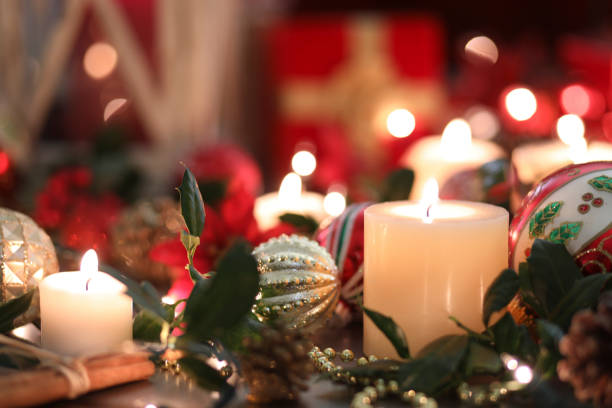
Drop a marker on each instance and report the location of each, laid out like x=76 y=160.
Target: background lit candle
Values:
x=423 y=266
x=442 y=157
x=84 y=312
x=289 y=199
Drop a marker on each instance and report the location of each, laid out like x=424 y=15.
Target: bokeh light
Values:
x=483 y=122
x=100 y=60
x=400 y=123
x=583 y=101
x=523 y=374
x=521 y=104
x=5 y=162
x=304 y=163
x=456 y=137
x=334 y=203
x=113 y=107
x=290 y=188
x=482 y=48
x=570 y=129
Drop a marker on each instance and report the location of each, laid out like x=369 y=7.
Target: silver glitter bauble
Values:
x=27 y=255
x=298 y=280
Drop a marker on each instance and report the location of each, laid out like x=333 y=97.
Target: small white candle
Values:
x=289 y=199
x=424 y=262
x=441 y=157
x=85 y=312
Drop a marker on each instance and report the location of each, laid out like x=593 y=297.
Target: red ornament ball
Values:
x=343 y=239
x=572 y=206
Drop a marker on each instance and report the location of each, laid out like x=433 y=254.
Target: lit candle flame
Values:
x=429 y=200
x=290 y=188
x=89 y=265
x=456 y=138
x=570 y=129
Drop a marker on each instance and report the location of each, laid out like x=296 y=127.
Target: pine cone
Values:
x=276 y=367
x=588 y=351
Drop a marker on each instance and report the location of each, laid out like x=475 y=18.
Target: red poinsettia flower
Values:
x=67 y=208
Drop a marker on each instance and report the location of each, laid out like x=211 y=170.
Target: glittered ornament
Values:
x=572 y=206
x=343 y=238
x=27 y=256
x=139 y=228
x=298 y=280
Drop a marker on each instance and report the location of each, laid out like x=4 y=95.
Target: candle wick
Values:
x=87 y=284
x=428 y=209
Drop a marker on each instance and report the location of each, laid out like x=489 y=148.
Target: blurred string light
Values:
x=521 y=104
x=582 y=101
x=304 y=163
x=100 y=60
x=113 y=107
x=483 y=122
x=400 y=123
x=334 y=202
x=456 y=138
x=482 y=48
x=522 y=373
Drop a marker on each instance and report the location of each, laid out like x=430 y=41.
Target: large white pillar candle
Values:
x=424 y=263
x=85 y=312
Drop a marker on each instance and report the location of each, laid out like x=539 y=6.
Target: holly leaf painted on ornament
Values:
x=391 y=330
x=539 y=221
x=221 y=302
x=14 y=308
x=553 y=273
x=584 y=294
x=499 y=293
x=398 y=185
x=192 y=205
x=566 y=231
x=602 y=183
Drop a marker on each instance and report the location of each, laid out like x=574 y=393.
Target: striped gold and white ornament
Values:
x=298 y=280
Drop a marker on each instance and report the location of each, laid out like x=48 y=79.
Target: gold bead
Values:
x=420 y=399
x=393 y=387
x=408 y=396
x=347 y=355
x=330 y=352
x=227 y=371
x=316 y=348
x=372 y=358
x=352 y=379
x=370 y=392
x=364 y=381
x=362 y=361
x=276 y=309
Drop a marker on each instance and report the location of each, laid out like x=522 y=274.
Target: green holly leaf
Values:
x=552 y=273
x=192 y=205
x=217 y=304
x=550 y=334
x=584 y=294
x=14 y=308
x=147 y=327
x=398 y=185
x=513 y=339
x=481 y=359
x=602 y=183
x=391 y=330
x=431 y=375
x=203 y=374
x=527 y=292
x=143 y=294
x=537 y=223
x=191 y=243
x=499 y=294
x=301 y=222
x=566 y=231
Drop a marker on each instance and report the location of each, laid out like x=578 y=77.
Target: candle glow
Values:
x=429 y=200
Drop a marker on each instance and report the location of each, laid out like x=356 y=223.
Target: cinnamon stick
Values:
x=43 y=385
